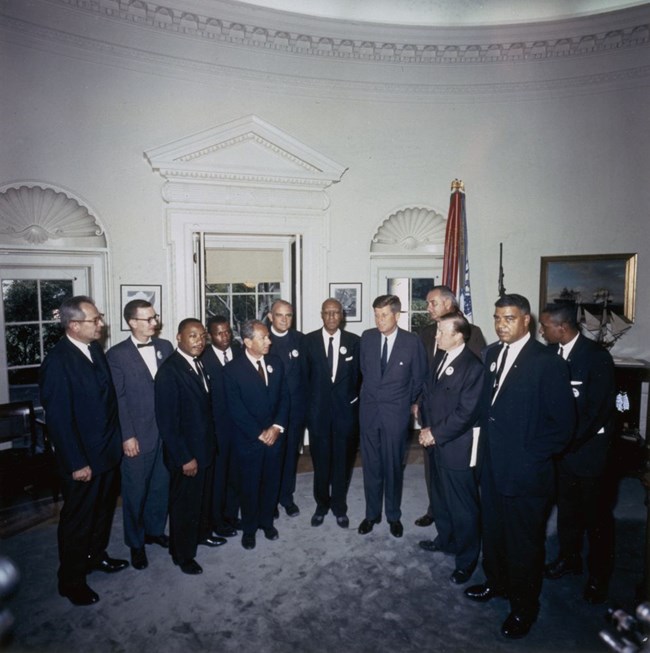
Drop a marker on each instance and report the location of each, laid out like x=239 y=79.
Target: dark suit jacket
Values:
x=532 y=418
x=254 y=406
x=184 y=414
x=288 y=349
x=594 y=389
x=81 y=408
x=332 y=406
x=134 y=386
x=428 y=335
x=214 y=369
x=385 y=401
x=451 y=407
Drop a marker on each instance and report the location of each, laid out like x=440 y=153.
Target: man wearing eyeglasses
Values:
x=145 y=479
x=82 y=420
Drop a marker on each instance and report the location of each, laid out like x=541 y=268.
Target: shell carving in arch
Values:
x=412 y=230
x=37 y=214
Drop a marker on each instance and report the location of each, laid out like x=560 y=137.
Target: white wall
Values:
x=547 y=172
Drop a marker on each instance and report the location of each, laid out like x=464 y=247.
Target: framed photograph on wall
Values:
x=593 y=281
x=349 y=294
x=151 y=294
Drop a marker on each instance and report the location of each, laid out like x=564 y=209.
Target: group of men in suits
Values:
x=544 y=415
x=153 y=410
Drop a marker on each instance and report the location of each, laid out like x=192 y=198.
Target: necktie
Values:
x=560 y=351
x=441 y=367
x=260 y=371
x=225 y=357
x=497 y=378
x=90 y=354
x=145 y=344
x=330 y=356
x=384 y=356
x=199 y=370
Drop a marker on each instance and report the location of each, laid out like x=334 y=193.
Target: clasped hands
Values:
x=426 y=438
x=269 y=436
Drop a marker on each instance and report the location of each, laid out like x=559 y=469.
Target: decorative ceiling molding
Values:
x=37 y=214
x=412 y=230
x=484 y=49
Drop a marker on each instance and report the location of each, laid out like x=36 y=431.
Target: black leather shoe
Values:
x=516 y=625
x=317 y=520
x=562 y=567
x=425 y=520
x=225 y=531
x=160 y=540
x=139 y=558
x=191 y=567
x=108 y=565
x=213 y=540
x=484 y=592
x=343 y=521
x=461 y=576
x=248 y=541
x=430 y=545
x=366 y=525
x=292 y=510
x=396 y=528
x=271 y=533
x=595 y=591
x=79 y=594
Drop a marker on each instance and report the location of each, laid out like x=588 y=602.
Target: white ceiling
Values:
x=443 y=13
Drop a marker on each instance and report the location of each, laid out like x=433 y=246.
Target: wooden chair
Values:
x=26 y=460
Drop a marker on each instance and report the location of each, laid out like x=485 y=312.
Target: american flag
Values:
x=455 y=266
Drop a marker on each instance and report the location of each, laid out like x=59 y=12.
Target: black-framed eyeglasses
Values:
x=150 y=320
x=95 y=320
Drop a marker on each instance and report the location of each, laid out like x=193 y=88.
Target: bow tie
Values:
x=145 y=344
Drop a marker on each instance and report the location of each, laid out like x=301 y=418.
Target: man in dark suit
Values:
x=450 y=410
x=286 y=344
x=393 y=366
x=442 y=301
x=145 y=480
x=184 y=417
x=527 y=417
x=222 y=350
x=258 y=401
x=584 y=495
x=82 y=419
x=331 y=362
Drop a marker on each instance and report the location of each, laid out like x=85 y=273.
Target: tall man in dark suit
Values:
x=184 y=417
x=222 y=350
x=82 y=419
x=331 y=362
x=450 y=410
x=393 y=367
x=527 y=416
x=286 y=344
x=584 y=501
x=442 y=301
x=145 y=480
x=258 y=401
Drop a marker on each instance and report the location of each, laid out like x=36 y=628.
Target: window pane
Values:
x=269 y=287
x=52 y=294
x=243 y=308
x=420 y=288
x=52 y=333
x=242 y=288
x=20 y=300
x=217 y=287
x=217 y=305
x=22 y=345
x=419 y=320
